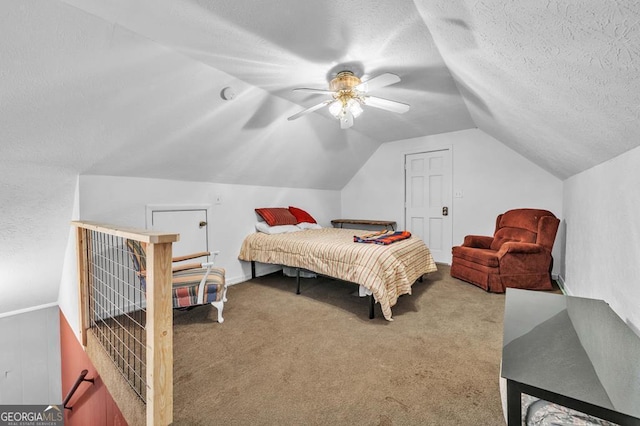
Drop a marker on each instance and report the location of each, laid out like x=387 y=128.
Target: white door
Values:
x=428 y=200
x=190 y=224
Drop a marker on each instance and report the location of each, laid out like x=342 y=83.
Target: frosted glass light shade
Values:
x=354 y=107
x=336 y=109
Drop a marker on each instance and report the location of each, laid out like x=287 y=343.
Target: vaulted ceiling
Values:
x=132 y=88
x=556 y=81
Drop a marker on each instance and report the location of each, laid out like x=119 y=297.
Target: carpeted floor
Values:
x=316 y=359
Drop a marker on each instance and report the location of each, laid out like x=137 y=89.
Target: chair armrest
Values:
x=477 y=241
x=190 y=256
x=186 y=267
x=517 y=257
x=196 y=255
x=516 y=247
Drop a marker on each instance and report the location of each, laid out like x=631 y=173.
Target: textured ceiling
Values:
x=283 y=44
x=556 y=81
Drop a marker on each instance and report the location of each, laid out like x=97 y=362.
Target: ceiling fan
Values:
x=349 y=95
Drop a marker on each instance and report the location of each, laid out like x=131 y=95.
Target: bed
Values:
x=385 y=271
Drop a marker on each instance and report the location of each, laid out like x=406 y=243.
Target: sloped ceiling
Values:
x=556 y=81
x=282 y=44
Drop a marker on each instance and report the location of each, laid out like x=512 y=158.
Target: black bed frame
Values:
x=371 y=299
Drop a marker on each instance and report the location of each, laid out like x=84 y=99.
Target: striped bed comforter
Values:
x=387 y=270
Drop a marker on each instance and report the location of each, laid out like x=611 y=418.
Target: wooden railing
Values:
x=101 y=272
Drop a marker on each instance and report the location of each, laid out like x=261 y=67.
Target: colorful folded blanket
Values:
x=382 y=237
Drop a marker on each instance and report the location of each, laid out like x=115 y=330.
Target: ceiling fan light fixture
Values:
x=341 y=107
x=349 y=94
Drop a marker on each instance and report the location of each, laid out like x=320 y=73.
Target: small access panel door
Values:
x=191 y=224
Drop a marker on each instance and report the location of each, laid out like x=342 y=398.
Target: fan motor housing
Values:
x=345 y=80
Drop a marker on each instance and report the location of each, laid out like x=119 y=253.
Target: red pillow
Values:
x=301 y=215
x=275 y=216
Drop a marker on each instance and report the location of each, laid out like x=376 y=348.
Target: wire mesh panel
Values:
x=116 y=305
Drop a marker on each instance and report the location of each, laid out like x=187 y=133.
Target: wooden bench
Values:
x=388 y=224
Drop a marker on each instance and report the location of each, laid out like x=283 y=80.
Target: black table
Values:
x=571 y=351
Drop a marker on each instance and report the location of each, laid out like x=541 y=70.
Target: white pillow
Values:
x=307 y=225
x=278 y=229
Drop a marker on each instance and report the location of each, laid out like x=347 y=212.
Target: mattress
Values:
x=388 y=271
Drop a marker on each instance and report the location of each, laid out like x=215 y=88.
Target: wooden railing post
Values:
x=159 y=335
x=157 y=321
x=83 y=277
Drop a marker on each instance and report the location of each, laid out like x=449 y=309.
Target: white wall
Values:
x=68 y=299
x=35 y=207
x=30 y=358
x=122 y=201
x=492 y=178
x=602 y=214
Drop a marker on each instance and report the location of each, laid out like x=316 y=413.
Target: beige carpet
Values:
x=316 y=359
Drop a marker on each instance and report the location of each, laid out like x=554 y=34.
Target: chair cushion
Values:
x=185 y=286
x=512 y=234
x=483 y=257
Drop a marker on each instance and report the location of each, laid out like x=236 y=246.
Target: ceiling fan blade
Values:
x=311 y=109
x=310 y=90
x=377 y=82
x=346 y=120
x=386 y=104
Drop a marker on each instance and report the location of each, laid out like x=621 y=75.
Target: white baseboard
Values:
x=263 y=269
x=561 y=284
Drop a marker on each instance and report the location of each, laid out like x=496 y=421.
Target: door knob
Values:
x=445 y=211
x=202 y=224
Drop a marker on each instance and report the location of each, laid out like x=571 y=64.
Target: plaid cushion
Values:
x=185 y=286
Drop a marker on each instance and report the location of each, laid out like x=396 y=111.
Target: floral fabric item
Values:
x=538 y=412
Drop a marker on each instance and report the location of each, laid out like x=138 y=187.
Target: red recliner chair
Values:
x=518 y=255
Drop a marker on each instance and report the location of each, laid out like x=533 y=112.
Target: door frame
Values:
x=425 y=150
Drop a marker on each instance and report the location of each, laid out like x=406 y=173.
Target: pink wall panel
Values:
x=92 y=403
